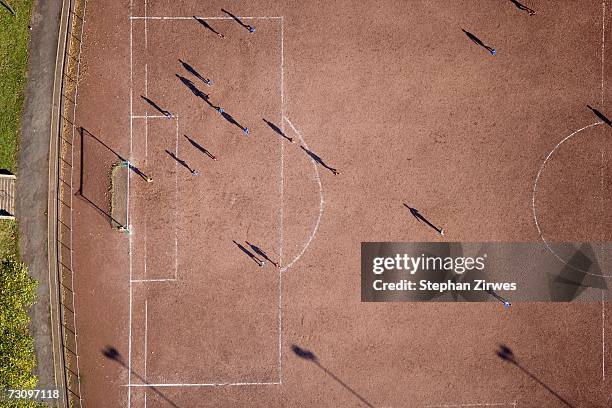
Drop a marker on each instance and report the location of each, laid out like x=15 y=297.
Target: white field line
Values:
x=152 y=280
x=130 y=237
x=535 y=191
x=150 y=117
x=146 y=328
x=202 y=384
x=146 y=92
x=282 y=216
x=204 y=18
x=145 y=346
x=321 y=200
x=176 y=201
x=603 y=306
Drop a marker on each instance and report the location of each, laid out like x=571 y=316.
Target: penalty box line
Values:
x=146 y=117
x=175 y=278
x=202 y=384
x=204 y=18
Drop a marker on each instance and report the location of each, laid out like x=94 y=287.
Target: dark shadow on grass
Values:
x=8 y=7
x=600 y=115
x=113 y=354
x=310 y=356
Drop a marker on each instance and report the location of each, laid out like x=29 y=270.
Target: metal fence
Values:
x=61 y=251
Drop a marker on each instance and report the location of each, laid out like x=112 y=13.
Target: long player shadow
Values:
x=319 y=160
x=207 y=26
x=277 y=130
x=478 y=41
x=310 y=356
x=113 y=354
x=192 y=87
x=202 y=95
x=251 y=255
x=600 y=115
x=248 y=27
x=195 y=73
x=505 y=353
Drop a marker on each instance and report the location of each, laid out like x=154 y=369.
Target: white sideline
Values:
x=203 y=18
x=282 y=205
x=200 y=384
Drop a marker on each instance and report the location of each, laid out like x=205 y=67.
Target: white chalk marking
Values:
x=146 y=337
x=128 y=209
x=176 y=200
x=535 y=187
x=150 y=117
x=152 y=280
x=282 y=193
x=202 y=384
x=146 y=117
x=321 y=201
x=203 y=18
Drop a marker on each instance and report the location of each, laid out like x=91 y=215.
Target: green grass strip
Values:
x=17 y=288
